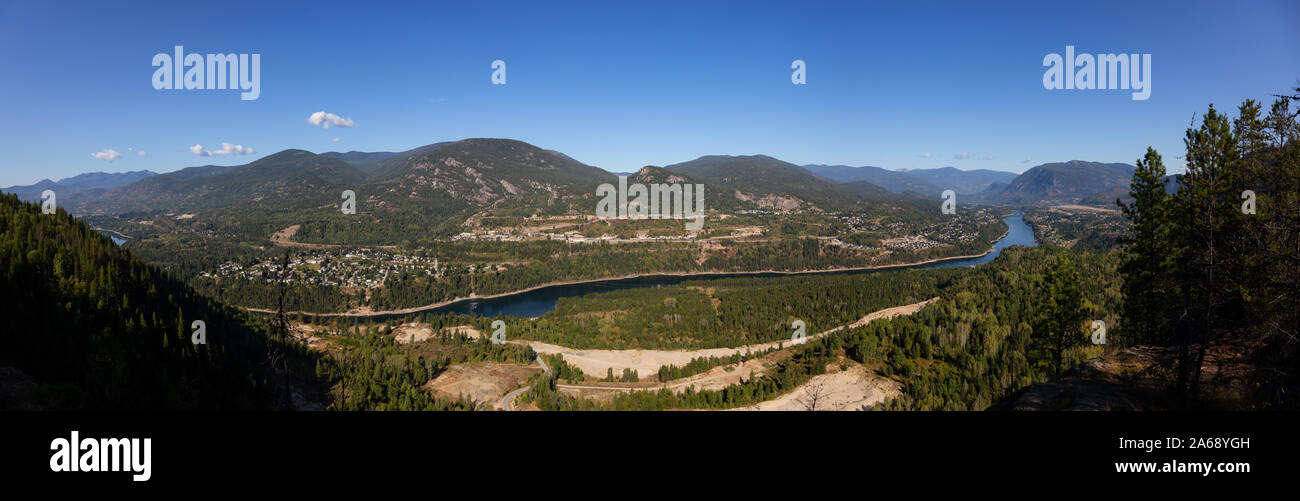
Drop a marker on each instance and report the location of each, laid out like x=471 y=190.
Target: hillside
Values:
x=651 y=174
x=486 y=171
x=89 y=325
x=378 y=164
x=290 y=178
x=773 y=184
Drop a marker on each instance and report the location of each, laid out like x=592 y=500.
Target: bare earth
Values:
x=412 y=332
x=484 y=382
x=847 y=390
x=306 y=333
x=713 y=379
x=1088 y=208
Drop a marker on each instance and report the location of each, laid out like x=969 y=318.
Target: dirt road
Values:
x=647 y=362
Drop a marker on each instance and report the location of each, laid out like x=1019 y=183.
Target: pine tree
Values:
x=1060 y=314
x=1207 y=205
x=1148 y=255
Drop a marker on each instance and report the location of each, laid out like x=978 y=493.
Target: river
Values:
x=119 y=240
x=537 y=302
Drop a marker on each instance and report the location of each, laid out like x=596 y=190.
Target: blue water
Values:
x=113 y=236
x=537 y=302
x=1018 y=233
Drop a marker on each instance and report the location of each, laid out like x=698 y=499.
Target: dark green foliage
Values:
x=1148 y=286
x=725 y=312
x=977 y=345
x=1059 y=321
x=1204 y=272
x=108 y=331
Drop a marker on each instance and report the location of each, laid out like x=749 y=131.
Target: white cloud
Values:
x=987 y=157
x=336 y=139
x=109 y=155
x=140 y=153
x=1026 y=160
x=961 y=156
x=226 y=149
x=925 y=155
x=327 y=120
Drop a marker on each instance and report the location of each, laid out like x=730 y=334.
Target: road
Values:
x=510 y=397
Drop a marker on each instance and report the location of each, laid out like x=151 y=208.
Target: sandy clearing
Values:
x=841 y=390
x=412 y=332
x=484 y=382
x=713 y=379
x=1088 y=208
x=306 y=333
x=647 y=362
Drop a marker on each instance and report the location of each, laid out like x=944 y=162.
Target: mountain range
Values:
x=447 y=182
x=86 y=185
x=928 y=182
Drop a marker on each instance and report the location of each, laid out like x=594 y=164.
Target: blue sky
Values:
x=625 y=84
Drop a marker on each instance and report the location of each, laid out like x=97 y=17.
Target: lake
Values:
x=537 y=302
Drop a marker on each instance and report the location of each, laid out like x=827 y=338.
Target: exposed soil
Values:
x=855 y=388
x=483 y=382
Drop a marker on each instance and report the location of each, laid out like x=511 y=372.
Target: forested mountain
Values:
x=422 y=191
x=1071 y=181
x=380 y=163
x=287 y=178
x=650 y=175
x=32 y=192
x=449 y=181
x=89 y=325
x=86 y=185
x=482 y=172
x=771 y=183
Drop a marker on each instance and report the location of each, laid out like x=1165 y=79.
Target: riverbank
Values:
x=694 y=274
x=702 y=275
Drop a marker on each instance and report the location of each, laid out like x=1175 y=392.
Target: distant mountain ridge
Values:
x=380 y=163
x=286 y=178
x=1073 y=182
x=928 y=182
x=447 y=179
x=962 y=181
x=771 y=183
x=894 y=181
x=90 y=181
